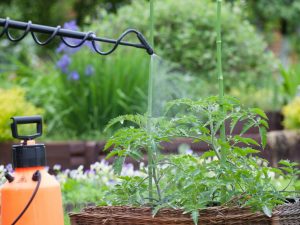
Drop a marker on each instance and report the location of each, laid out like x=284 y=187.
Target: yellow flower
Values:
x=291 y=113
x=13 y=103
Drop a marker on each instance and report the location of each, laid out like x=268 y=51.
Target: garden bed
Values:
x=287 y=214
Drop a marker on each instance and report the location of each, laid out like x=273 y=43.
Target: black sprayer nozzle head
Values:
x=26 y=120
x=145 y=43
x=28 y=154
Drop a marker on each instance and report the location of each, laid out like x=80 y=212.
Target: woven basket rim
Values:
x=211 y=215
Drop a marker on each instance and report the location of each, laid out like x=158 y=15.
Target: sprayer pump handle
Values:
x=26 y=120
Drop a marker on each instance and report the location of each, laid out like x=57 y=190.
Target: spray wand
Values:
x=29 y=27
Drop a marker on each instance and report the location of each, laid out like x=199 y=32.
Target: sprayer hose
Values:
x=36 y=177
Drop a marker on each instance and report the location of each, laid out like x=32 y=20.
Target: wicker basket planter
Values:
x=288 y=214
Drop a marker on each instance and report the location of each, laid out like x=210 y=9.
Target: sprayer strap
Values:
x=36 y=177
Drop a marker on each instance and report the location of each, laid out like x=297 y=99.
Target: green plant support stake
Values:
x=150 y=106
x=220 y=75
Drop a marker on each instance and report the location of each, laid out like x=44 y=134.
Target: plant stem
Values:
x=150 y=106
x=157 y=184
x=220 y=75
x=152 y=23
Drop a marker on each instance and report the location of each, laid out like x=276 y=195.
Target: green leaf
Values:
x=263 y=136
x=136 y=155
x=245 y=151
x=285 y=163
x=264 y=123
x=247 y=126
x=207 y=154
x=159 y=207
x=138 y=119
x=289 y=170
x=118 y=164
x=260 y=112
x=111 y=154
x=276 y=170
x=246 y=140
x=267 y=211
x=233 y=123
x=195 y=216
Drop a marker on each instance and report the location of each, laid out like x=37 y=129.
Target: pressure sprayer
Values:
x=30 y=196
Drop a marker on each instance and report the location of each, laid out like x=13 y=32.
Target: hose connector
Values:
x=143 y=41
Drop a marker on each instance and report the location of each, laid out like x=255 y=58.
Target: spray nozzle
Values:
x=143 y=41
x=26 y=120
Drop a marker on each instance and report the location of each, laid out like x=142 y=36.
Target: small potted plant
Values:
x=221 y=186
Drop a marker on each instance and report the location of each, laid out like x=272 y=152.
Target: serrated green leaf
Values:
x=118 y=164
x=276 y=170
x=260 y=112
x=247 y=126
x=246 y=140
x=245 y=151
x=135 y=155
x=263 y=136
x=111 y=154
x=289 y=170
x=233 y=123
x=285 y=163
x=264 y=123
x=207 y=154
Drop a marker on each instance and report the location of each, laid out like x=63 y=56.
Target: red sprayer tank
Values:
x=30 y=196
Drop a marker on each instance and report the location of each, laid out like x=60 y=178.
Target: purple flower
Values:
x=71 y=25
x=9 y=168
x=89 y=70
x=90 y=45
x=74 y=75
x=64 y=63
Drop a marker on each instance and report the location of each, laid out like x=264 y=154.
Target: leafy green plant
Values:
x=290 y=85
x=191 y=182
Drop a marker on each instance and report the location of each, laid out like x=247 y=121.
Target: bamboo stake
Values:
x=150 y=106
x=220 y=74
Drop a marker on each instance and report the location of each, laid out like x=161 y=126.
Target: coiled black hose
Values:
x=89 y=36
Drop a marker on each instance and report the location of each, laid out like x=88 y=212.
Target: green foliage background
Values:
x=185 y=33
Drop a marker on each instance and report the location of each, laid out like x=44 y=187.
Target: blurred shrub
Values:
x=279 y=15
x=291 y=113
x=290 y=85
x=282 y=14
x=13 y=103
x=185 y=33
x=55 y=12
